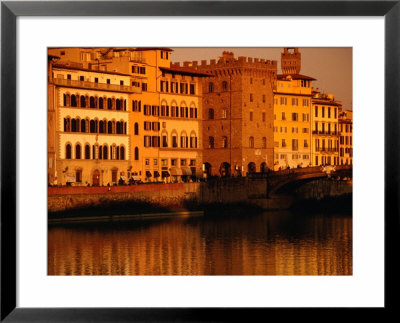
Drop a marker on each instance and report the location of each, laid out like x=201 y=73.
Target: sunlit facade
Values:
x=88 y=123
x=292 y=114
x=345 y=137
x=325 y=142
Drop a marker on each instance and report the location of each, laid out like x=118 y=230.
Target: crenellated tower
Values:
x=291 y=61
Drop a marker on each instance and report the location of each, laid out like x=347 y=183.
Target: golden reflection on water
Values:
x=267 y=244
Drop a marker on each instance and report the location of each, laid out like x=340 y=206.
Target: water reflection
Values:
x=278 y=243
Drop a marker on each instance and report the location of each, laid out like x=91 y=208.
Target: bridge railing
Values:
x=297 y=171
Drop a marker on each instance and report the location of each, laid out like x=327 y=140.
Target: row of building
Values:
x=122 y=114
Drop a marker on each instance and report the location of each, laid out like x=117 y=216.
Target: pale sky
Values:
x=332 y=67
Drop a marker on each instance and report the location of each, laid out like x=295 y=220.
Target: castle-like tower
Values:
x=237 y=114
x=291 y=61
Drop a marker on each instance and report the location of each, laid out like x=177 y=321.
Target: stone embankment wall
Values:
x=323 y=188
x=232 y=190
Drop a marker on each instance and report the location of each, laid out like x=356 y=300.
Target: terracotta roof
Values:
x=295 y=77
x=326 y=102
x=184 y=71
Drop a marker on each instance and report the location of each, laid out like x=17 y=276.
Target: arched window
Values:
x=110 y=127
x=100 y=103
x=92 y=126
x=109 y=104
x=136 y=153
x=78 y=151
x=224 y=142
x=100 y=152
x=87 y=152
x=118 y=104
x=68 y=152
x=210 y=113
x=122 y=153
x=105 y=152
x=136 y=128
x=83 y=102
x=251 y=142
x=73 y=101
x=112 y=152
x=92 y=102
x=83 y=125
x=117 y=153
x=67 y=100
x=125 y=128
x=119 y=127
x=264 y=142
x=224 y=85
x=102 y=126
x=124 y=105
x=94 y=152
x=210 y=142
x=211 y=87
x=74 y=126
x=67 y=123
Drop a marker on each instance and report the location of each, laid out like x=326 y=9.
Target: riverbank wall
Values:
x=178 y=196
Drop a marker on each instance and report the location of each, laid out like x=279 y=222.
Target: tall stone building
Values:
x=237 y=114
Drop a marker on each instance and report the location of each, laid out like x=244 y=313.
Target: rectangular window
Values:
x=323 y=112
x=316 y=111
x=283 y=101
x=192 y=89
x=329 y=112
x=251 y=116
x=251 y=97
x=295 y=101
x=283 y=116
x=263 y=116
x=144 y=86
x=295 y=144
x=283 y=143
x=174 y=162
x=263 y=98
x=164 y=141
x=295 y=116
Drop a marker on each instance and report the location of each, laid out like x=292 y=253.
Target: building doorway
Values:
x=96 y=178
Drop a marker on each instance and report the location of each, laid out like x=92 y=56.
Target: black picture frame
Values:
x=10 y=10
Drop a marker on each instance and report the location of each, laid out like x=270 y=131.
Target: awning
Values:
x=148 y=173
x=123 y=178
x=156 y=173
x=70 y=178
x=176 y=171
x=186 y=171
x=136 y=178
x=164 y=173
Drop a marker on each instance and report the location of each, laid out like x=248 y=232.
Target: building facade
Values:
x=292 y=114
x=345 y=137
x=237 y=114
x=162 y=111
x=325 y=116
x=88 y=125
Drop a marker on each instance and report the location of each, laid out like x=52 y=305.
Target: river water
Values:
x=271 y=243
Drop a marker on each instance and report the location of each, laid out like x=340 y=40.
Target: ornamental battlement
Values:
x=229 y=61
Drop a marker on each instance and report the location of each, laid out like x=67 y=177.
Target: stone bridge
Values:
x=288 y=180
